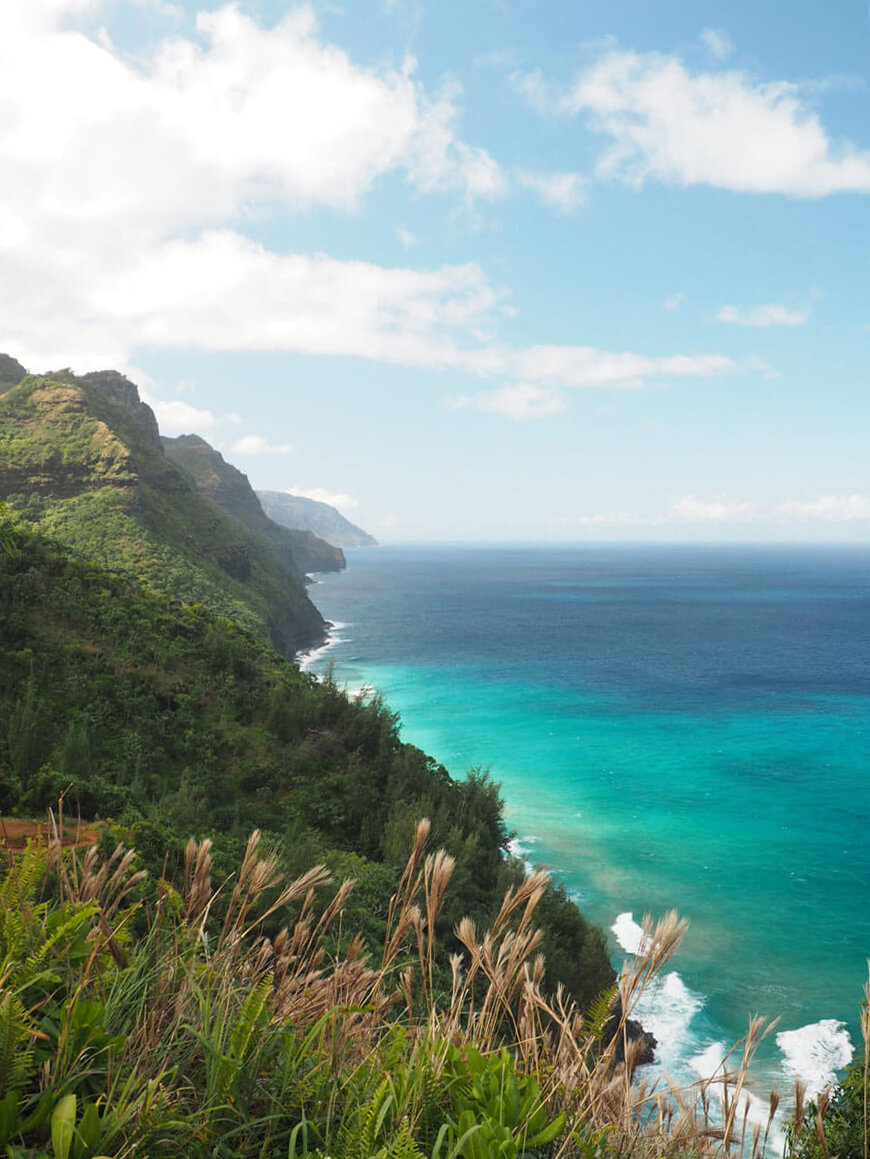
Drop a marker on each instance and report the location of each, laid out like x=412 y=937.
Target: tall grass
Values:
x=149 y=1019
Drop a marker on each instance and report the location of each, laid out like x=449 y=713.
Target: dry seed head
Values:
x=197 y=875
x=467 y=934
x=311 y=880
x=437 y=872
x=421 y=835
x=823 y=1102
x=800 y=1093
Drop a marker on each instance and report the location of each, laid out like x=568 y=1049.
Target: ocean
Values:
x=673 y=727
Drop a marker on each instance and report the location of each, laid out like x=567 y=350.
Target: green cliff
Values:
x=81 y=460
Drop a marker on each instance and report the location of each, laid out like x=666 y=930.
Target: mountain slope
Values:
x=225 y=486
x=323 y=520
x=81 y=460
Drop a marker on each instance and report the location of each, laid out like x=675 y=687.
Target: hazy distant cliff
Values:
x=323 y=520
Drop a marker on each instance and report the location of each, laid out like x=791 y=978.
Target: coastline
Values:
x=306 y=658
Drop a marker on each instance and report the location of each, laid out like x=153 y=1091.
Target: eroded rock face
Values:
x=121 y=389
x=634 y=1033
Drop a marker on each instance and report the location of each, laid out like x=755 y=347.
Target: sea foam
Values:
x=520 y=847
x=815 y=1052
x=667 y=1007
x=628 y=933
x=307 y=660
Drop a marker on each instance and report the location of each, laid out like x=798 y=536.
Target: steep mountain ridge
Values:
x=320 y=518
x=81 y=460
x=230 y=490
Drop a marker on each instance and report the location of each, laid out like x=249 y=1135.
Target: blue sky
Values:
x=483 y=270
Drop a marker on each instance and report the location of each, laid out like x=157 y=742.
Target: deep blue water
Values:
x=673 y=727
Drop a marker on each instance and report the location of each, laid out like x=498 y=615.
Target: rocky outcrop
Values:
x=121 y=389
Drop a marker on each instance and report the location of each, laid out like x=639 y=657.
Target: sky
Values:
x=469 y=269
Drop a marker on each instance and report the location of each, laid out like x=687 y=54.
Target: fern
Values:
x=599 y=1012
x=402 y=1146
x=15 y=1060
x=359 y=1134
x=249 y=1019
x=29 y=971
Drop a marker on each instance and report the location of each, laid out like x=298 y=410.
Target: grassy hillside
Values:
x=225 y=486
x=81 y=460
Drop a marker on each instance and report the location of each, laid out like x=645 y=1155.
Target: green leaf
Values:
x=87 y=1132
x=63 y=1125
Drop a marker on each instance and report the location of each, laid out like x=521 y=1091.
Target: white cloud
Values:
x=407 y=240
x=829 y=509
x=586 y=366
x=562 y=191
x=691 y=509
x=117 y=159
x=243 y=115
x=439 y=161
x=723 y=129
x=674 y=301
x=718 y=43
x=768 y=315
x=617 y=519
x=116 y=225
x=520 y=402
x=176 y=417
x=223 y=292
x=334 y=498
x=257 y=445
x=535 y=90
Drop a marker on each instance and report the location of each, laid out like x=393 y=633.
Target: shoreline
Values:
x=306 y=657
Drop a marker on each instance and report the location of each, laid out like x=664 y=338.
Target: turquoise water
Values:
x=679 y=728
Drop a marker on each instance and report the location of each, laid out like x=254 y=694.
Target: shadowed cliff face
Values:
x=81 y=461
x=11 y=372
x=225 y=486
